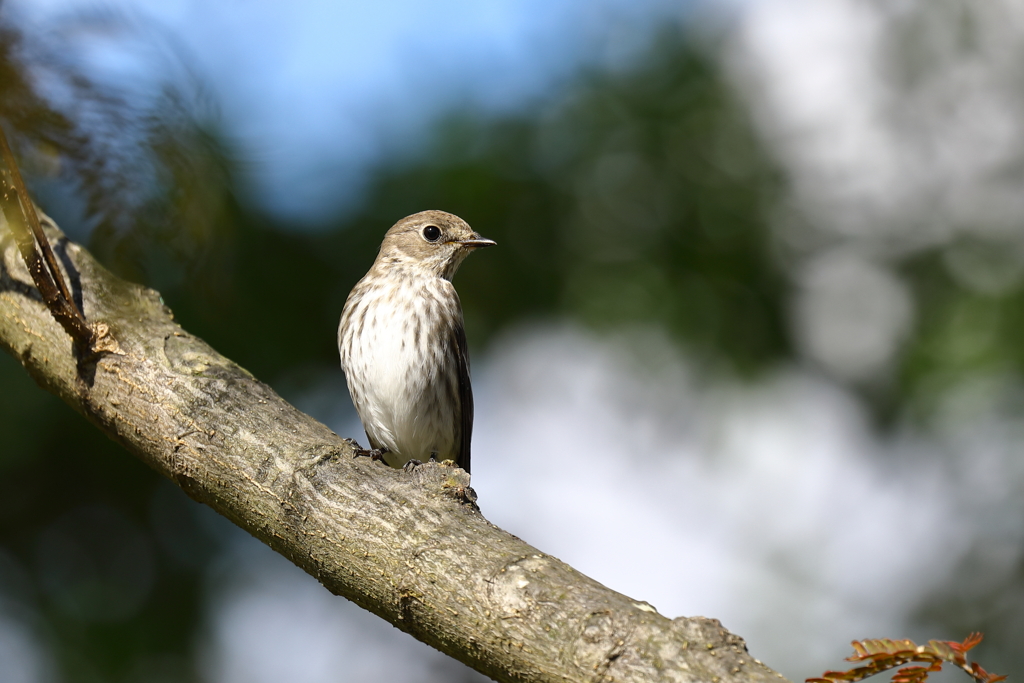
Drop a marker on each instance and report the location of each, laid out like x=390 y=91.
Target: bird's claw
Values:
x=414 y=463
x=371 y=453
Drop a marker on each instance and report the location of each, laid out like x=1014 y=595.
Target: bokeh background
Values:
x=751 y=345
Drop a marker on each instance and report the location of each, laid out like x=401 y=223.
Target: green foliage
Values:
x=636 y=198
x=964 y=328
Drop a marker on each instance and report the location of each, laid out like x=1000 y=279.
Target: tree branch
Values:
x=410 y=547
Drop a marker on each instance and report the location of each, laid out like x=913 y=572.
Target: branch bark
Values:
x=410 y=547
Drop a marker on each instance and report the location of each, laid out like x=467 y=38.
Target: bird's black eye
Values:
x=431 y=233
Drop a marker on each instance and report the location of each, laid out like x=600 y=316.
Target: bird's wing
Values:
x=465 y=395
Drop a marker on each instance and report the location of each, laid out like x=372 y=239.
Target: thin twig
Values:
x=28 y=233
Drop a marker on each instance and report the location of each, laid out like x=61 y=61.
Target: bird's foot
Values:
x=413 y=463
x=371 y=453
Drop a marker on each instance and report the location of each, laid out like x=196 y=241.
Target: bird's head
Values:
x=430 y=242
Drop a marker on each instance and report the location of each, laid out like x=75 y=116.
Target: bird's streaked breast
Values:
x=393 y=342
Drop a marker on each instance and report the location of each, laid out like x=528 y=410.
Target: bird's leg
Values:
x=371 y=453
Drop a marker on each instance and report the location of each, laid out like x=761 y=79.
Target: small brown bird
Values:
x=403 y=344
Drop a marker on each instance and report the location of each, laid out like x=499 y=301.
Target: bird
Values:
x=402 y=344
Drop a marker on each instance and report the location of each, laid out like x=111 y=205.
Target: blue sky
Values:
x=314 y=92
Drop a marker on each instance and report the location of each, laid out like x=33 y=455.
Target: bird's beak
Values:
x=477 y=241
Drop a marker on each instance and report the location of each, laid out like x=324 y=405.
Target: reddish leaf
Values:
x=945 y=649
x=969 y=642
x=866 y=649
x=883 y=654
x=983 y=676
x=915 y=674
